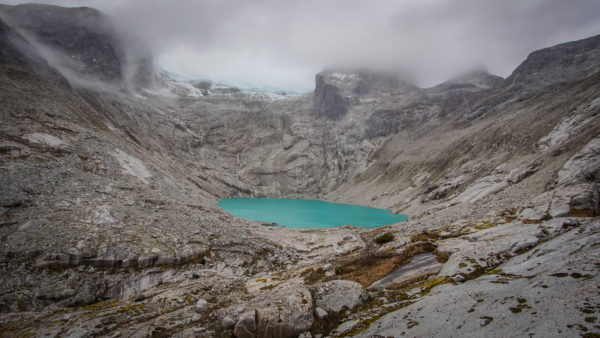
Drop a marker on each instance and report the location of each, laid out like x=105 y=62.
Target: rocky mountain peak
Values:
x=328 y=99
x=360 y=82
x=82 y=44
x=336 y=89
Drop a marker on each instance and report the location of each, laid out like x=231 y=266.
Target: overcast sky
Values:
x=283 y=43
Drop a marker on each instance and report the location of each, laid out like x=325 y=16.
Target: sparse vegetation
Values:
x=522 y=305
x=385 y=238
x=425 y=236
x=379 y=266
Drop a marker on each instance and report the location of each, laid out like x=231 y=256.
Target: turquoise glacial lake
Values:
x=308 y=214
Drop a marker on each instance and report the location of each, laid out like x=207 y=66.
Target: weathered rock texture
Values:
x=339 y=295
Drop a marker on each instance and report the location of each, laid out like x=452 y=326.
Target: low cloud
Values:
x=285 y=42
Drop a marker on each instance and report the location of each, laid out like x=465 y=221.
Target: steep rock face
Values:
x=337 y=90
x=82 y=43
x=9 y=39
x=578 y=183
x=558 y=64
x=327 y=99
x=16 y=54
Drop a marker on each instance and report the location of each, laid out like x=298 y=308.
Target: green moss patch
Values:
x=385 y=238
x=521 y=306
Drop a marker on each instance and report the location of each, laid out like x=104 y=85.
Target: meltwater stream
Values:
x=308 y=214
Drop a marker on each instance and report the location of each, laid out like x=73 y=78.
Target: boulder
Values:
x=563 y=195
x=320 y=312
x=586 y=203
x=582 y=167
x=246 y=325
x=227 y=323
x=287 y=312
x=202 y=305
x=337 y=295
x=346 y=326
x=459 y=278
x=518 y=174
x=538 y=208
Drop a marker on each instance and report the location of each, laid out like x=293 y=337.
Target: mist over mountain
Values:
x=270 y=43
x=112 y=168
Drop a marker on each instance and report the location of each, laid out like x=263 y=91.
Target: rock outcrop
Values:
x=288 y=313
x=516 y=298
x=327 y=99
x=339 y=295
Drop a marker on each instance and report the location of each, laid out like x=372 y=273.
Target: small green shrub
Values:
x=387 y=237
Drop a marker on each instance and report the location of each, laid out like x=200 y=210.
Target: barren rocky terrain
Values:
x=111 y=172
